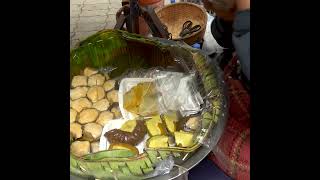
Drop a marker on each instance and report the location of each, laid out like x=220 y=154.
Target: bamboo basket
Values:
x=174 y=15
x=124 y=50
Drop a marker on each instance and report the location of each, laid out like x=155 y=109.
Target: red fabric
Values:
x=232 y=153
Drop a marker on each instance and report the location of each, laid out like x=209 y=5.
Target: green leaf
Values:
x=98 y=170
x=119 y=153
x=147 y=170
x=153 y=155
x=136 y=166
x=164 y=154
x=148 y=162
x=115 y=165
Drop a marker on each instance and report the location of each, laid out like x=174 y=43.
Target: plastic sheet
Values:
x=163 y=167
x=178 y=93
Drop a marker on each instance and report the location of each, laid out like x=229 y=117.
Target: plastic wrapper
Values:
x=178 y=91
x=107 y=70
x=163 y=167
x=188 y=86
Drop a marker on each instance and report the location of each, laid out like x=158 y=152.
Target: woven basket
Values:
x=128 y=51
x=174 y=15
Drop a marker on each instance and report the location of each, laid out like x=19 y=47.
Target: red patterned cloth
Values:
x=232 y=153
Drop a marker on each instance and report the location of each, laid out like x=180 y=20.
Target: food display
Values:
x=139 y=111
x=95 y=102
x=134 y=119
x=92 y=98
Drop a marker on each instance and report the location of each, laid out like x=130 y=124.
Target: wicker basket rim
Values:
x=157 y=10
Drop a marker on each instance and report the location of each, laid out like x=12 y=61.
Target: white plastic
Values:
x=210 y=45
x=178 y=93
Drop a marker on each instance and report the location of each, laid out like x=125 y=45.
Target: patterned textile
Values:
x=232 y=154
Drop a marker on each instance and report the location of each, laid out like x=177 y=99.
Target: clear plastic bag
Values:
x=178 y=91
x=163 y=167
x=167 y=83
